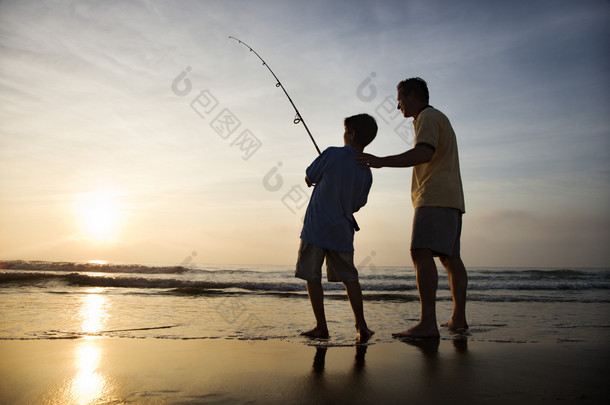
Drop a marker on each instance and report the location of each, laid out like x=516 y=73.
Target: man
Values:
x=341 y=188
x=438 y=200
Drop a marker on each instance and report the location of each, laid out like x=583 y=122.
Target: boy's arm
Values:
x=365 y=194
x=314 y=172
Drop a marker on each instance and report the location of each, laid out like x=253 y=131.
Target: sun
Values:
x=100 y=214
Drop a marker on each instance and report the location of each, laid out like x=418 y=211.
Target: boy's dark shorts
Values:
x=437 y=229
x=339 y=265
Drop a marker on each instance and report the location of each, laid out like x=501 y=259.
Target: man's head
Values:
x=360 y=130
x=412 y=96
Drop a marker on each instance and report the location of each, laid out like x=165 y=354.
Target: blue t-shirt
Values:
x=341 y=188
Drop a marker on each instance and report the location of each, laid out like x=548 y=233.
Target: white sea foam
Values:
x=42 y=300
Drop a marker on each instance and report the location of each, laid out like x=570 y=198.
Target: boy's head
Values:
x=360 y=130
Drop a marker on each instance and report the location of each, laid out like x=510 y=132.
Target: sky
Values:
x=139 y=132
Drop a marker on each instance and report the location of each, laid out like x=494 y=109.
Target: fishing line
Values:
x=298 y=118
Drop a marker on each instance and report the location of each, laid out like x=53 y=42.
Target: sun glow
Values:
x=100 y=215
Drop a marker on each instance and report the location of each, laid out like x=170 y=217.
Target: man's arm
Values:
x=421 y=153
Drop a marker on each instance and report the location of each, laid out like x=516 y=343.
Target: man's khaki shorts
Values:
x=437 y=229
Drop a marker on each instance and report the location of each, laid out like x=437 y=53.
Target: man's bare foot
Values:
x=365 y=334
x=419 y=331
x=316 y=333
x=456 y=326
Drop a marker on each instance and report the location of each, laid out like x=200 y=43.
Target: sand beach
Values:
x=73 y=333
x=104 y=370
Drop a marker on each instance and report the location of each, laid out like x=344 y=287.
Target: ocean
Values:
x=51 y=300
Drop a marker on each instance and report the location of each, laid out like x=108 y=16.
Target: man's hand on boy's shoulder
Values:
x=368 y=161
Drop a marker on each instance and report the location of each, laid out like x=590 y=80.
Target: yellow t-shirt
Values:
x=437 y=183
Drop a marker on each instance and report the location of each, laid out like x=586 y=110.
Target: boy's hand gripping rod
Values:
x=297 y=118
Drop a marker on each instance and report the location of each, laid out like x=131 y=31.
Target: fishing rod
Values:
x=298 y=118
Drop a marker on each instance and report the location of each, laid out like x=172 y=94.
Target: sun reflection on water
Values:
x=93 y=312
x=89 y=384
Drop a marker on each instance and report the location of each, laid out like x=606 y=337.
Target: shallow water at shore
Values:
x=43 y=300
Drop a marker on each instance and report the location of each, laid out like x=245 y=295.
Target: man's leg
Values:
x=316 y=297
x=458 y=280
x=427 y=282
x=354 y=294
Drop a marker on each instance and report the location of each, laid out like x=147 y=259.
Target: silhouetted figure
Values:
x=438 y=199
x=341 y=188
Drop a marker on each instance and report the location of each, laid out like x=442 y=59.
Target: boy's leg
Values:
x=316 y=297
x=309 y=268
x=354 y=294
x=340 y=267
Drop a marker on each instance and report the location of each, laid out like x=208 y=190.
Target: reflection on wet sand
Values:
x=336 y=384
x=429 y=347
x=319 y=360
x=89 y=384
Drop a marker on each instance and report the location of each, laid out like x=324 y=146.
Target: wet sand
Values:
x=222 y=371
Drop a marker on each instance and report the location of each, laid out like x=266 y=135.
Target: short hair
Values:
x=417 y=86
x=364 y=127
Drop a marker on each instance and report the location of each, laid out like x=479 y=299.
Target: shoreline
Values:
x=150 y=371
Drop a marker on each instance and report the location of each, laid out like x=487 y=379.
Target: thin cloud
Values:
x=86 y=101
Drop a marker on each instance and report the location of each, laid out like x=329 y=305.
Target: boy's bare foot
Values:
x=455 y=326
x=316 y=333
x=419 y=331
x=365 y=334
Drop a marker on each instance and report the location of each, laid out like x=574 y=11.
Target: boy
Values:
x=341 y=188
